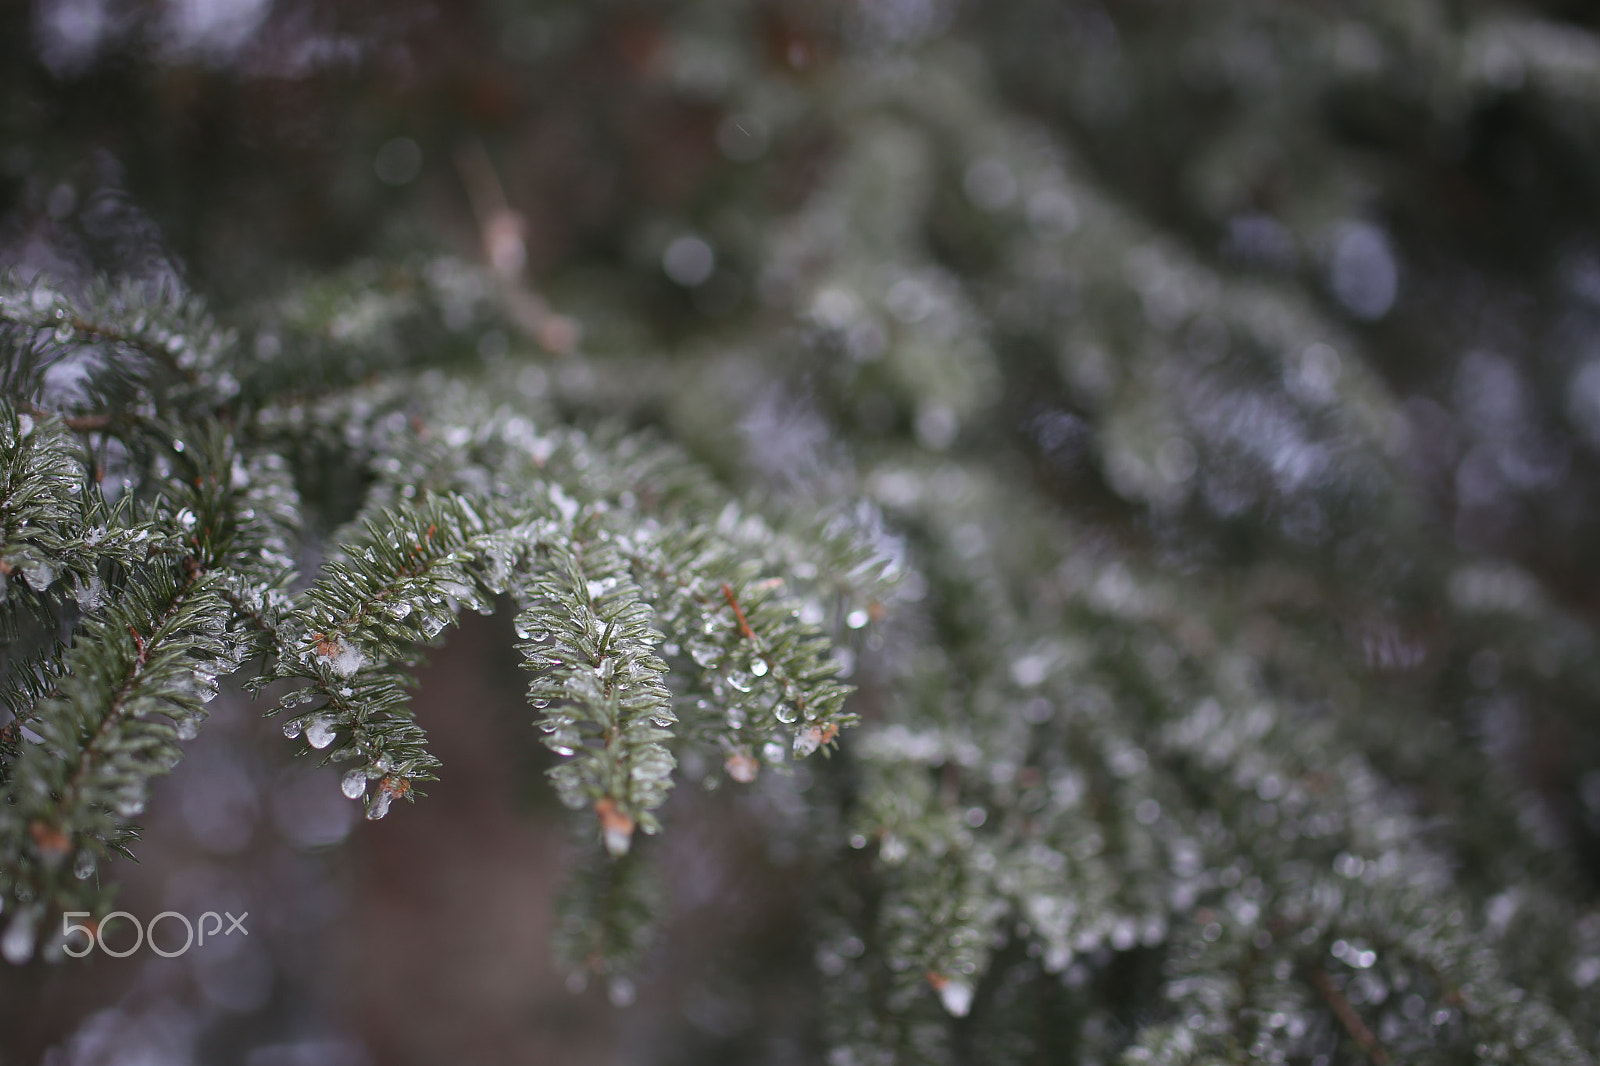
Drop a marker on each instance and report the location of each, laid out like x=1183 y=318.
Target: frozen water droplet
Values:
x=773 y=752
x=24 y=426
x=618 y=839
x=343 y=658
x=83 y=866
x=130 y=806
x=704 y=654
x=291 y=728
x=759 y=668
x=807 y=741
x=379 y=805
x=787 y=713
x=187 y=729
x=319 y=733
x=620 y=992
x=856 y=618
x=354 y=784
x=17 y=944
x=91 y=596
x=742 y=766
x=39 y=576
x=956 y=997
x=400 y=609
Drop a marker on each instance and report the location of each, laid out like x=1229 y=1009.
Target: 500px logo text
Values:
x=94 y=933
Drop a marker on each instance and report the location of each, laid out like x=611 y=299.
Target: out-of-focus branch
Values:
x=502 y=231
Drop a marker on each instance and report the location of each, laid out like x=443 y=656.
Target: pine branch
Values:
x=358 y=631
x=593 y=649
x=119 y=341
x=140 y=669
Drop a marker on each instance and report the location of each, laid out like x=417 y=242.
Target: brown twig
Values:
x=1364 y=1037
x=744 y=627
x=76 y=423
x=503 y=232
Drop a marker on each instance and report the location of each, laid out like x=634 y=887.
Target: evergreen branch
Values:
x=138 y=673
x=609 y=710
x=358 y=631
x=607 y=918
x=156 y=334
x=86 y=776
x=772 y=673
x=768 y=667
x=368 y=321
x=1347 y=1016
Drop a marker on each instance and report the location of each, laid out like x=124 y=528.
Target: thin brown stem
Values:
x=1364 y=1037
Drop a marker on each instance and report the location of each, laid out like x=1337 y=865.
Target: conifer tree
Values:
x=1132 y=462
